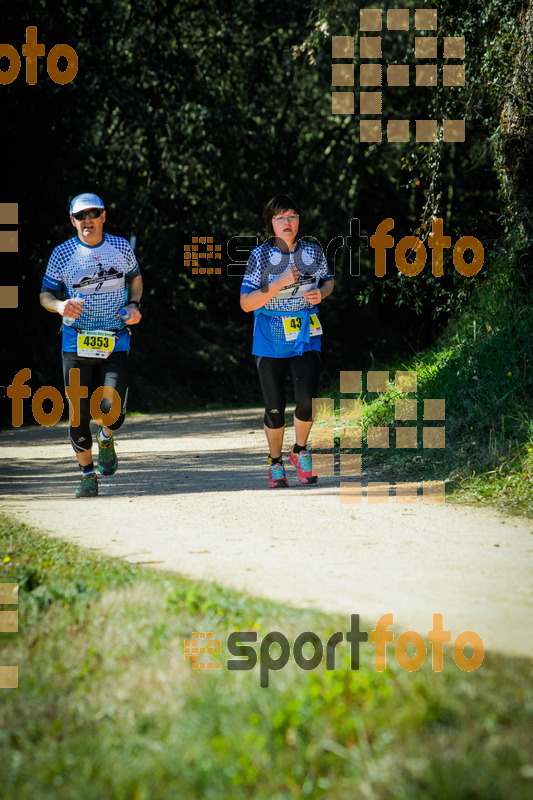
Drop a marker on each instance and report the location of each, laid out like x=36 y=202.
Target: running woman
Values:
x=286 y=278
x=104 y=271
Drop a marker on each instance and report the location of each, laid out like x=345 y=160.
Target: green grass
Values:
x=483 y=368
x=107 y=706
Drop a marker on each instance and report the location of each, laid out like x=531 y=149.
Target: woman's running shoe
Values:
x=276 y=475
x=302 y=462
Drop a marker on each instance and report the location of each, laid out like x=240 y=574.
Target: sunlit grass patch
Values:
x=108 y=707
x=483 y=369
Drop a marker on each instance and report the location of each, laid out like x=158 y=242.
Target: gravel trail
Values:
x=191 y=495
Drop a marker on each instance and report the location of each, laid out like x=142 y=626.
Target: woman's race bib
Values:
x=292 y=326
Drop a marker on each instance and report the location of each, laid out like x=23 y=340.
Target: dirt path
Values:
x=191 y=496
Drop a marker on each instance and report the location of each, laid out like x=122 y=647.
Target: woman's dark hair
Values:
x=280 y=202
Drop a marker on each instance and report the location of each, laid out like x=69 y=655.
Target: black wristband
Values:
x=134 y=303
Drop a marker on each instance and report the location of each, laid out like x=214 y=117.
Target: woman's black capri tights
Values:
x=305 y=370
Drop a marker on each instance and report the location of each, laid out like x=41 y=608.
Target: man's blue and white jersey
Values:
x=99 y=274
x=265 y=264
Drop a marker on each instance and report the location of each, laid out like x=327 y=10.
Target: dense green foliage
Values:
x=186 y=119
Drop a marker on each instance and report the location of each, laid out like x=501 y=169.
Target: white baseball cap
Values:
x=83 y=201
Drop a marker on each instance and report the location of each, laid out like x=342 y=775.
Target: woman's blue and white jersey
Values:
x=265 y=264
x=99 y=274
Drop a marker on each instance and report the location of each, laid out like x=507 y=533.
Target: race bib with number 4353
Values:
x=96 y=344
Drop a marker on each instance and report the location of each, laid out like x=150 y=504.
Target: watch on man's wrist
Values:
x=134 y=303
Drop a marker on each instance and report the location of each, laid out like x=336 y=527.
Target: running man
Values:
x=285 y=280
x=104 y=271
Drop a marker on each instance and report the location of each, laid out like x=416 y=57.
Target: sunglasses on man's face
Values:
x=92 y=213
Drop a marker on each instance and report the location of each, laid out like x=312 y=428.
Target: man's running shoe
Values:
x=276 y=475
x=107 y=458
x=302 y=462
x=88 y=486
